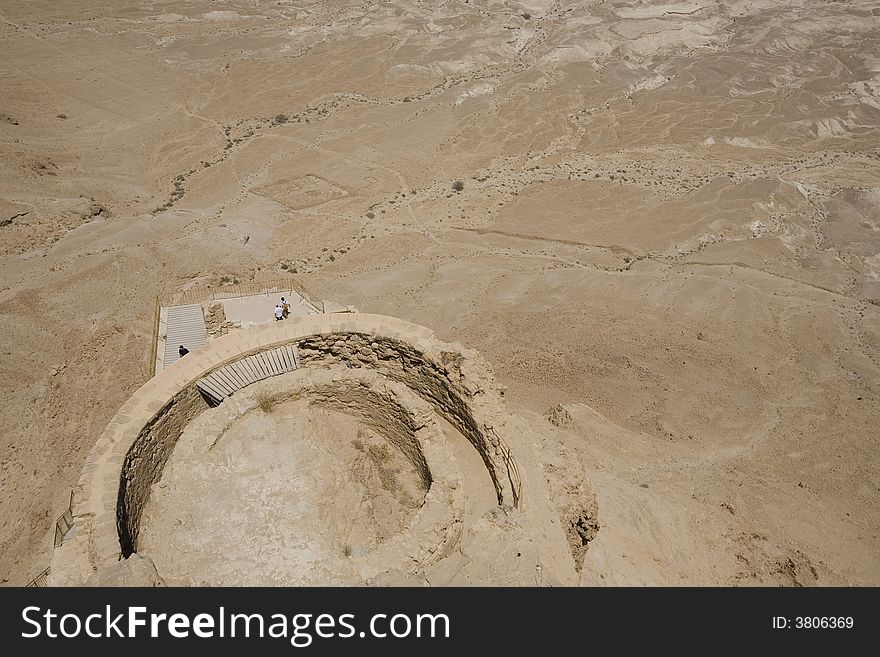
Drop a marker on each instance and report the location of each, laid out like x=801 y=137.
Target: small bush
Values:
x=458 y=185
x=371 y=215
x=280 y=119
x=265 y=401
x=379 y=453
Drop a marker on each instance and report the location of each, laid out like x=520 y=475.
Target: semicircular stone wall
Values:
x=130 y=454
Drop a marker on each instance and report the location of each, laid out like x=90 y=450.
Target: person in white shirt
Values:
x=279 y=312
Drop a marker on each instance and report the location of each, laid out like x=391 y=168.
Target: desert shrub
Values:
x=379 y=453
x=265 y=401
x=280 y=119
x=458 y=185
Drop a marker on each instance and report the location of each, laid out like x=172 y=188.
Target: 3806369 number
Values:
x=823 y=622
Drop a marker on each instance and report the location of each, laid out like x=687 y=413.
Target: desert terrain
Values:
x=663 y=216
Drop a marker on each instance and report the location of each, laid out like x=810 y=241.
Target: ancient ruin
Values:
x=387 y=390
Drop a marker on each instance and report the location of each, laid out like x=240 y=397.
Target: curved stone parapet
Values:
x=393 y=411
x=130 y=454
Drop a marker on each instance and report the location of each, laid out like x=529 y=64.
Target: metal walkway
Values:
x=185 y=325
x=221 y=383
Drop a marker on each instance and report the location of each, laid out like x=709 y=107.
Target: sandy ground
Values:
x=667 y=223
x=281 y=497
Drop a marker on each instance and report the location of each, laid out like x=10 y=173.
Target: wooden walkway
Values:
x=185 y=325
x=223 y=382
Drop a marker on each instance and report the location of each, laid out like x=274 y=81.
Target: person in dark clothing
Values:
x=183 y=351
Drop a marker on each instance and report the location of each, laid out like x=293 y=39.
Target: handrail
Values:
x=62 y=526
x=266 y=286
x=64 y=522
x=153 y=362
x=40 y=580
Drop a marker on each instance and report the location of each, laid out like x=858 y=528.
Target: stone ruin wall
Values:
x=131 y=453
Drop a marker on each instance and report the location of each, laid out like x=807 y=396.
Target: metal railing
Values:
x=153 y=363
x=62 y=526
x=40 y=580
x=64 y=522
x=266 y=286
